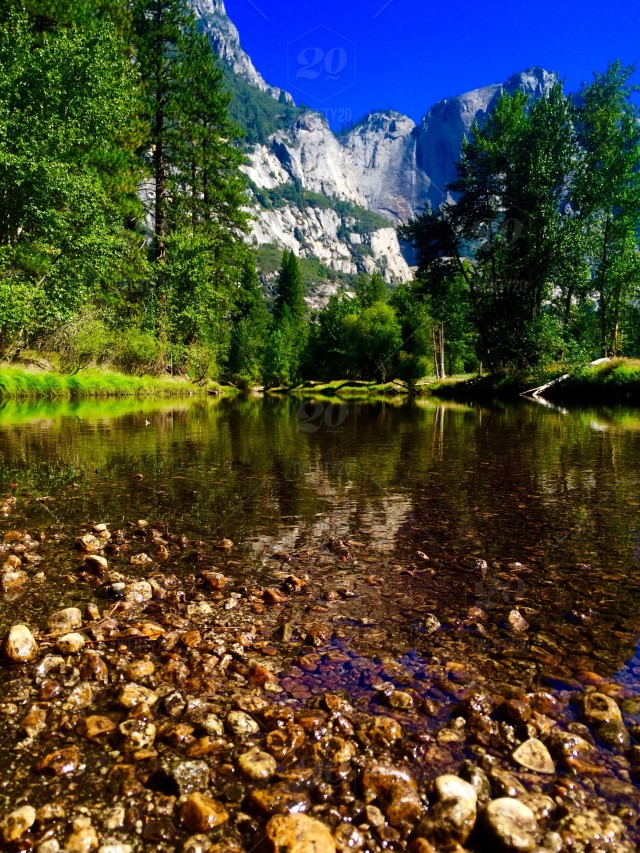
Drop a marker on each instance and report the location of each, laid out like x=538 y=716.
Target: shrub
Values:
x=200 y=362
x=137 y=351
x=85 y=341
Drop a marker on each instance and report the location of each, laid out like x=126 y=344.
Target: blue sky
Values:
x=346 y=57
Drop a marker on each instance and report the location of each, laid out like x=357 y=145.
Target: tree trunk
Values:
x=436 y=360
x=160 y=182
x=604 y=306
x=615 y=334
x=159 y=160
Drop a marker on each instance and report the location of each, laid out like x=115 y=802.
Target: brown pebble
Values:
x=297 y=833
x=65 y=762
x=201 y=813
x=274 y=596
x=17 y=823
x=13 y=579
x=95 y=726
x=214 y=580
x=19 y=645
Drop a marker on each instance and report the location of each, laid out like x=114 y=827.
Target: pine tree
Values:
x=250 y=329
x=158 y=25
x=290 y=289
x=200 y=192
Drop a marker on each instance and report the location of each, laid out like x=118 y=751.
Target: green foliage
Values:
x=607 y=194
x=548 y=211
x=284 y=351
x=375 y=337
x=68 y=171
x=290 y=290
x=86 y=340
x=288 y=337
x=371 y=289
x=136 y=351
x=256 y=112
x=200 y=193
x=250 y=330
x=329 y=349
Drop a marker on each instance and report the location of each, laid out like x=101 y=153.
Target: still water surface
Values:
x=549 y=499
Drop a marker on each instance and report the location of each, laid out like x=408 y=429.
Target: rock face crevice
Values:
x=386 y=164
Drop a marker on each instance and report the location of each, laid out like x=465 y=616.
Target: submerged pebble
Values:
x=19 y=645
x=173 y=721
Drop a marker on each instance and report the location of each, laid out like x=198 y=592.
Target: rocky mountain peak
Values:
x=225 y=40
x=534 y=81
x=327 y=197
x=444 y=127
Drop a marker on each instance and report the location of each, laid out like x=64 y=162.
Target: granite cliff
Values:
x=338 y=199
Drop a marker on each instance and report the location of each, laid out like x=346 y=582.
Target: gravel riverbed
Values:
x=179 y=707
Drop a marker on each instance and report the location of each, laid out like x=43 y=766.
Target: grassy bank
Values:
x=18 y=383
x=355 y=389
x=350 y=389
x=500 y=386
x=614 y=381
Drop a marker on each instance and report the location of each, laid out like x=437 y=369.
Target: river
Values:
x=556 y=492
x=421 y=529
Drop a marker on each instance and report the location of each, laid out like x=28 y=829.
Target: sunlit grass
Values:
x=20 y=384
x=352 y=389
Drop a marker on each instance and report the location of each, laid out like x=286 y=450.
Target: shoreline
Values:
x=30 y=385
x=615 y=383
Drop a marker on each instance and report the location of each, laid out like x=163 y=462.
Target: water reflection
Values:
x=550 y=499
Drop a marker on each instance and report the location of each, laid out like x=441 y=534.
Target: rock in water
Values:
x=201 y=813
x=133 y=695
x=596 y=709
x=13 y=579
x=516 y=622
x=71 y=644
x=395 y=789
x=297 y=833
x=534 y=755
x=90 y=544
x=257 y=765
x=613 y=735
x=453 y=817
x=65 y=762
x=241 y=724
x=138 y=592
x=20 y=645
x=511 y=825
x=65 y=621
x=17 y=823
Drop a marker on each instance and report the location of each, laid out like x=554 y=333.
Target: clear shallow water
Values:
x=557 y=493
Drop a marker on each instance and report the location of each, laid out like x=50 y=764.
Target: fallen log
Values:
x=539 y=391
